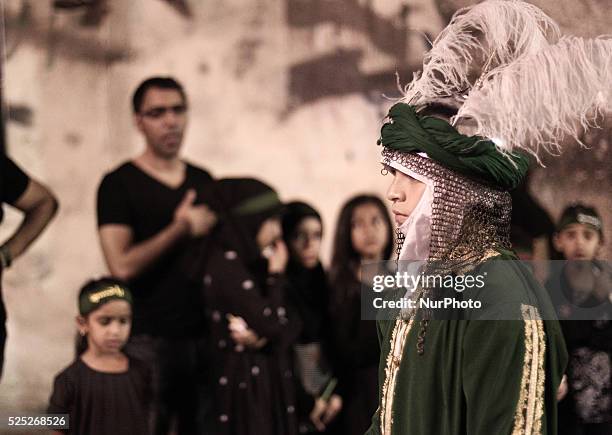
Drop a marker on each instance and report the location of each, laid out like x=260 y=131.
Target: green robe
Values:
x=476 y=377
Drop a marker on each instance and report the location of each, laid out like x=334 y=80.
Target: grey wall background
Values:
x=289 y=91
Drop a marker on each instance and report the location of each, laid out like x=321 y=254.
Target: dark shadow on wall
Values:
x=339 y=72
x=70 y=41
x=387 y=34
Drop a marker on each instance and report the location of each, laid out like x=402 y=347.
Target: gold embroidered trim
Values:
x=541 y=378
x=530 y=407
x=399 y=336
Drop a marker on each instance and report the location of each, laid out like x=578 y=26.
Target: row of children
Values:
x=287 y=350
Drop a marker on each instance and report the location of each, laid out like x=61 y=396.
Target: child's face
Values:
x=369 y=232
x=269 y=233
x=107 y=327
x=306 y=243
x=405 y=193
x=577 y=242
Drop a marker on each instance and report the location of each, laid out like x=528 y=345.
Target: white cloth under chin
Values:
x=417 y=227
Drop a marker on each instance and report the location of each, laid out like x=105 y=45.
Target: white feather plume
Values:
x=542 y=98
x=479 y=37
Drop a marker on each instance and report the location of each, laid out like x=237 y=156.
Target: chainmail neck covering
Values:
x=470 y=222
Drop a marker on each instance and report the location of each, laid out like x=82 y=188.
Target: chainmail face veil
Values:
x=469 y=220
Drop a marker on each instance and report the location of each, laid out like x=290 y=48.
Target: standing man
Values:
x=151 y=211
x=38 y=205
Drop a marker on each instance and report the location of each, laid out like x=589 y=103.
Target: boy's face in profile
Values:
x=578 y=242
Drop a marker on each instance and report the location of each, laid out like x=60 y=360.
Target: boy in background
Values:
x=583 y=282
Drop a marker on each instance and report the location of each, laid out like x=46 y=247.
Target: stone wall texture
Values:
x=289 y=91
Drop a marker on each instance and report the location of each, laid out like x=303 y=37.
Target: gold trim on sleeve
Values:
x=530 y=407
x=401 y=329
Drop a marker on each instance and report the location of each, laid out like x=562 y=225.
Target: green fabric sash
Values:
x=257 y=204
x=473 y=157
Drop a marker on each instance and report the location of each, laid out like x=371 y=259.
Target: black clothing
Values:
x=253 y=386
x=588 y=403
x=357 y=353
x=180 y=370
x=529 y=220
x=103 y=403
x=168 y=314
x=13 y=183
x=166 y=301
x=308 y=295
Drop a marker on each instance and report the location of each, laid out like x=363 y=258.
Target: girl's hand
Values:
x=334 y=406
x=324 y=412
x=317 y=414
x=241 y=334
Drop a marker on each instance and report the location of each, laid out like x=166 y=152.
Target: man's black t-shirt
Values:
x=13 y=183
x=166 y=301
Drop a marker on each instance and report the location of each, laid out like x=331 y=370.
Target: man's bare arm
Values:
x=126 y=260
x=39 y=206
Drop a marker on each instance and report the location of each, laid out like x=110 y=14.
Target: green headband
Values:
x=92 y=300
x=581 y=218
x=257 y=204
x=473 y=157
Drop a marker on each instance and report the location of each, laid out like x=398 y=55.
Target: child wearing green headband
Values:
x=103 y=391
x=583 y=282
x=579 y=233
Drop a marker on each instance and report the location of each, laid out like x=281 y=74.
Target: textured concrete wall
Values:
x=244 y=65
x=289 y=91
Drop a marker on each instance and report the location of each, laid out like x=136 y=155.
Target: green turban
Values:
x=474 y=157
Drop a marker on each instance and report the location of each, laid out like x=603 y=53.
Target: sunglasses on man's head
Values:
x=157 y=112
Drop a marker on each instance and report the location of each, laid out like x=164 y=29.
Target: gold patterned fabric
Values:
x=530 y=407
x=394 y=359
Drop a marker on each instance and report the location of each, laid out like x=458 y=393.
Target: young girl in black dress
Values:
x=252 y=329
x=364 y=233
x=104 y=391
x=309 y=294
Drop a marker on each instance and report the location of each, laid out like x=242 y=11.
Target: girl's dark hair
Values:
x=295 y=213
x=345 y=259
x=90 y=287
